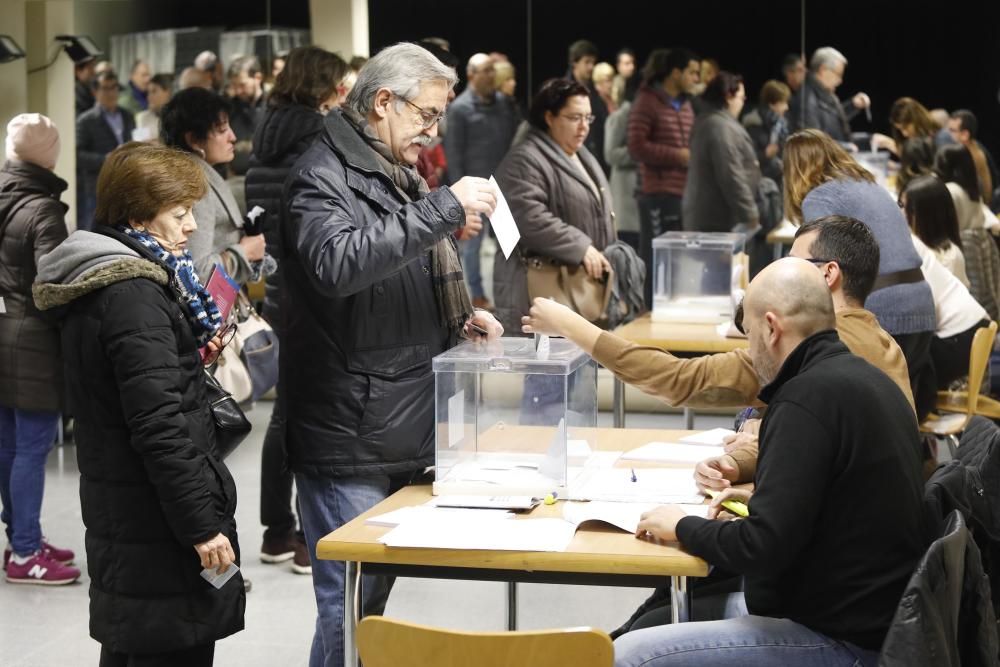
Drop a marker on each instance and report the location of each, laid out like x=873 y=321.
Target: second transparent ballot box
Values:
x=513 y=419
x=698 y=276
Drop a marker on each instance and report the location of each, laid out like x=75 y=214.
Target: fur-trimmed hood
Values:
x=86 y=262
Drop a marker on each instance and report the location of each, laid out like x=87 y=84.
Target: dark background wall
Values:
x=944 y=54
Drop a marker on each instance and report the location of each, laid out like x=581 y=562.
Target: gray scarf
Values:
x=454 y=304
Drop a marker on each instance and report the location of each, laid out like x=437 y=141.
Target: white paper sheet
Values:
x=672 y=452
x=491 y=534
x=651 y=485
x=431 y=513
x=713 y=437
x=503 y=223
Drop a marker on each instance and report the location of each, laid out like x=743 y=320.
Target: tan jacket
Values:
x=729 y=380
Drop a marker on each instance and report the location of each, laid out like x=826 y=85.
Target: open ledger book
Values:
x=439 y=528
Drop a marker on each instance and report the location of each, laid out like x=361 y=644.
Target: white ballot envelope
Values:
x=503 y=223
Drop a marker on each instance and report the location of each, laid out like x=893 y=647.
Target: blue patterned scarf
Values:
x=202 y=313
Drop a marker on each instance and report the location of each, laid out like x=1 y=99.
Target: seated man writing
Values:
x=834 y=528
x=847 y=255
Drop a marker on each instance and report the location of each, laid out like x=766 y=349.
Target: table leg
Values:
x=680 y=601
x=512 y=605
x=689 y=419
x=619 y=406
x=352 y=572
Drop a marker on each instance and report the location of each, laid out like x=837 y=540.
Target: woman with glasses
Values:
x=558 y=195
x=197 y=121
x=821 y=178
x=157 y=503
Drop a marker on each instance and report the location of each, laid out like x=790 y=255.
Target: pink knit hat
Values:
x=31 y=137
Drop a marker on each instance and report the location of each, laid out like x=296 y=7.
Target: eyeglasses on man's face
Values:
x=577 y=118
x=427 y=118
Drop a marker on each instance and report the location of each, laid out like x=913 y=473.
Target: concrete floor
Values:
x=47 y=626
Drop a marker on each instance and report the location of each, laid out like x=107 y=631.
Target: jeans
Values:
x=470 y=251
x=276 y=512
x=26 y=437
x=743 y=641
x=326 y=504
x=658 y=213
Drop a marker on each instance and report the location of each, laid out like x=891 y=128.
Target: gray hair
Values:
x=826 y=56
x=402 y=68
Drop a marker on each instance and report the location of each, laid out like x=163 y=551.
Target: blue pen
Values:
x=634 y=478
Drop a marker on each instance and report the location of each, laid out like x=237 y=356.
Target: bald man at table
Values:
x=823 y=571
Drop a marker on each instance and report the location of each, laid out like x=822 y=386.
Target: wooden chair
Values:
x=958 y=407
x=383 y=642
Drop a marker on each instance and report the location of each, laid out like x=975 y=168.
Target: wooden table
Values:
x=598 y=554
x=676 y=338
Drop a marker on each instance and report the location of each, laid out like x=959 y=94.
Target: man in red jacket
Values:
x=659 y=133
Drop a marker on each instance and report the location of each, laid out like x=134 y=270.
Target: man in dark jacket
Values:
x=839 y=449
x=31 y=225
x=98 y=132
x=815 y=104
x=372 y=290
x=583 y=56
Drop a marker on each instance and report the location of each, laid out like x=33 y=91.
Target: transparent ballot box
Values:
x=513 y=420
x=876 y=163
x=698 y=276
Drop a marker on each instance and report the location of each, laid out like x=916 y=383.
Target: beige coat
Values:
x=556 y=211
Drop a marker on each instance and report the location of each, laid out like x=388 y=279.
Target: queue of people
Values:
x=366 y=268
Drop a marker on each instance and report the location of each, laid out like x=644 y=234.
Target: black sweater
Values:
x=834 y=530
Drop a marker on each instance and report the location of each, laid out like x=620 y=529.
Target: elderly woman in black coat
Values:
x=157 y=503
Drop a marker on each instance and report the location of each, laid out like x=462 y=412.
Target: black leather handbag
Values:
x=231 y=424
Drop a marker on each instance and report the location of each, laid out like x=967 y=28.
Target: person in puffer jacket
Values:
x=157 y=503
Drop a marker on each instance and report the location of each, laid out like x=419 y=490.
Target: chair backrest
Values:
x=979 y=357
x=384 y=642
x=944 y=617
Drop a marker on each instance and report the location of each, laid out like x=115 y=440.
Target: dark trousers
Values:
x=951 y=355
x=276 y=513
x=658 y=213
x=199 y=656
x=916 y=349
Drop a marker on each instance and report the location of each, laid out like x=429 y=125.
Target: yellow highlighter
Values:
x=734 y=506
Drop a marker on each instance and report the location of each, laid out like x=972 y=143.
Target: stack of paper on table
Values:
x=493 y=534
x=432 y=513
x=672 y=452
x=713 y=437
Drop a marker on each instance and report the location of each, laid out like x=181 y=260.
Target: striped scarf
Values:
x=202 y=314
x=454 y=303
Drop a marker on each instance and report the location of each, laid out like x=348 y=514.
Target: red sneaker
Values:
x=64 y=556
x=39 y=569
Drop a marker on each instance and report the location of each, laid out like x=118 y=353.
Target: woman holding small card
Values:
x=157 y=503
